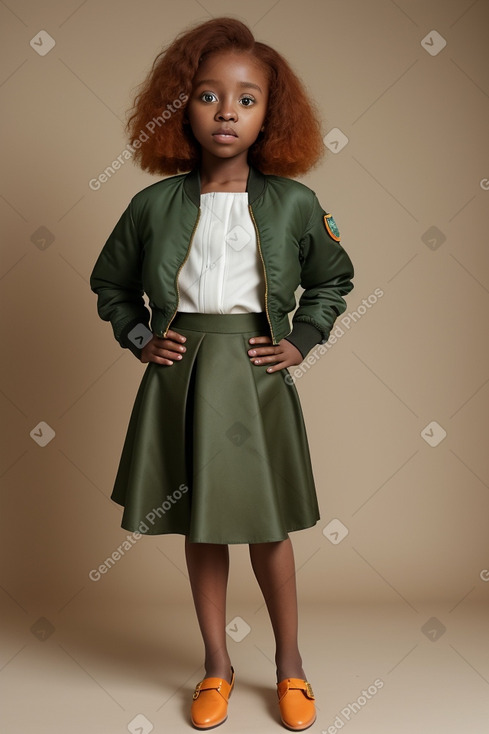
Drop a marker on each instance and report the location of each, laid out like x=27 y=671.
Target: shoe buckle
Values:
x=310 y=694
x=196 y=693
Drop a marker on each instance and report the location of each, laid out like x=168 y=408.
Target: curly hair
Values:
x=292 y=141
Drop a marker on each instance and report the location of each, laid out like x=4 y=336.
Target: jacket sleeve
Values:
x=326 y=275
x=116 y=279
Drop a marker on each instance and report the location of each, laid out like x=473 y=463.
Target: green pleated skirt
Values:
x=216 y=448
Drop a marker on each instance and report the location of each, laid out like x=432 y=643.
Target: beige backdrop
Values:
x=407 y=179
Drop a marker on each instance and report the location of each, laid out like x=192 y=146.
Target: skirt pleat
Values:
x=216 y=448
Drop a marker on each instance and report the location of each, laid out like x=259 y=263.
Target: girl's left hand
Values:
x=282 y=355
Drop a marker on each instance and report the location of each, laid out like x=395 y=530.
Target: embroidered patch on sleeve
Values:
x=331 y=227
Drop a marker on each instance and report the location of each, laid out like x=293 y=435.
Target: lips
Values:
x=225 y=131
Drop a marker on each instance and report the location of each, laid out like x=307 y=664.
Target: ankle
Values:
x=289 y=667
x=218 y=668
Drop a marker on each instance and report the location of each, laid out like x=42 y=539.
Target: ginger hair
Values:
x=292 y=141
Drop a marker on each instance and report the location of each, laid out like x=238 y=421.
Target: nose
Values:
x=226 y=111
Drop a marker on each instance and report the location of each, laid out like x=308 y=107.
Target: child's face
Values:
x=228 y=103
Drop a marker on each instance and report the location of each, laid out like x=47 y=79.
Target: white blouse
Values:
x=223 y=272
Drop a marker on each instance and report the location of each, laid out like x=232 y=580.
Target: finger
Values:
x=167 y=353
x=163 y=355
x=269 y=359
x=175 y=336
x=266 y=355
x=260 y=340
x=264 y=359
x=170 y=346
x=273 y=364
x=152 y=356
x=263 y=351
x=160 y=360
x=280 y=366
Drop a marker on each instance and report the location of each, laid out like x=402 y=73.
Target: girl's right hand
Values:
x=163 y=350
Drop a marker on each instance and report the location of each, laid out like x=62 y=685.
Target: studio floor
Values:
x=126 y=667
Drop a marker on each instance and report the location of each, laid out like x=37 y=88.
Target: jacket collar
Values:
x=254 y=186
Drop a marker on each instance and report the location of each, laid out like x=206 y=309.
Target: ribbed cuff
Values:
x=304 y=337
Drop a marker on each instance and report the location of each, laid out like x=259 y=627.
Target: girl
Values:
x=216 y=447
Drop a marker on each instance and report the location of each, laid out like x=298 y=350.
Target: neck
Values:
x=224 y=175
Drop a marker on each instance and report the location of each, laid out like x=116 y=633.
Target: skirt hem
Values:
x=186 y=533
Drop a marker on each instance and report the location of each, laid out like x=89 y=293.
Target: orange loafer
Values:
x=296 y=702
x=210 y=702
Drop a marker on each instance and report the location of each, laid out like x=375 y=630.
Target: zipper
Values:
x=178 y=273
x=264 y=270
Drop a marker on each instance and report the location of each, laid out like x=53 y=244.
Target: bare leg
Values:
x=208 y=569
x=274 y=568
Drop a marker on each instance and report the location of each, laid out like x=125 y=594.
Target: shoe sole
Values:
x=294 y=728
x=206 y=728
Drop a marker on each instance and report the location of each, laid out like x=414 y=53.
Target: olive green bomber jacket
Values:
x=296 y=242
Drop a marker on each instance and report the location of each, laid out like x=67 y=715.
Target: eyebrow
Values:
x=241 y=84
